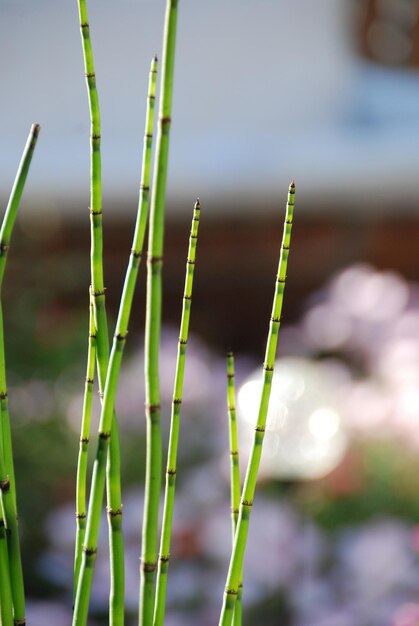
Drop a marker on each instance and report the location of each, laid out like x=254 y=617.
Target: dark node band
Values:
x=260 y=429
x=164 y=121
x=113 y=512
x=183 y=342
x=292 y=189
x=104 y=436
x=3 y=395
x=90 y=75
x=4 y=247
x=92 y=335
x=164 y=558
x=186 y=297
x=100 y=292
x=230 y=376
x=145 y=187
x=96 y=136
x=288 y=221
x=232 y=409
x=231 y=592
x=135 y=254
x=152 y=408
x=234 y=511
x=84 y=439
x=95 y=212
x=5 y=485
x=80 y=515
x=154 y=259
x=84 y=25
x=89 y=551
x=89 y=381
x=280 y=280
x=19 y=622
x=148 y=136
x=190 y=262
x=151 y=96
x=234 y=453
x=121 y=337
x=268 y=368
x=247 y=503
x=193 y=236
x=276 y=320
x=171 y=472
x=177 y=401
x=148 y=567
x=285 y=247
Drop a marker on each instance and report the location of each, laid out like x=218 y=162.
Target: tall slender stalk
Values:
x=6 y=603
x=169 y=496
x=107 y=420
x=116 y=613
x=237 y=555
x=81 y=498
x=153 y=326
x=7 y=474
x=235 y=482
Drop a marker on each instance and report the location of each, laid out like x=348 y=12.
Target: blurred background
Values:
x=326 y=93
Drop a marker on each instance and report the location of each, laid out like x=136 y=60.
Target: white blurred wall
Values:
x=265 y=91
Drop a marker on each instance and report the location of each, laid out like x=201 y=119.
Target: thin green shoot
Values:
x=112 y=377
x=171 y=469
x=237 y=555
x=153 y=476
x=235 y=481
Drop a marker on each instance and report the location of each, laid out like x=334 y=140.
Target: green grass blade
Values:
x=107 y=421
x=81 y=484
x=235 y=482
x=237 y=555
x=153 y=326
x=171 y=469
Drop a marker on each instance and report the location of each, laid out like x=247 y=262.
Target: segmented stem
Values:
x=237 y=555
x=107 y=420
x=116 y=599
x=6 y=604
x=7 y=474
x=153 y=326
x=169 y=496
x=235 y=482
x=81 y=498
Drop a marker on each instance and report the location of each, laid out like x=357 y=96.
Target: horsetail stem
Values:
x=171 y=469
x=83 y=448
x=7 y=474
x=153 y=326
x=107 y=420
x=6 y=604
x=237 y=555
x=235 y=482
x=116 y=612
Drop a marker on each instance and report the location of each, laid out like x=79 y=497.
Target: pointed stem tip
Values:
x=197 y=204
x=292 y=184
x=35 y=128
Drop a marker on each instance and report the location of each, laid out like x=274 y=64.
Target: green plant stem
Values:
x=235 y=482
x=169 y=497
x=81 y=497
x=117 y=587
x=153 y=326
x=6 y=603
x=107 y=421
x=237 y=555
x=7 y=473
